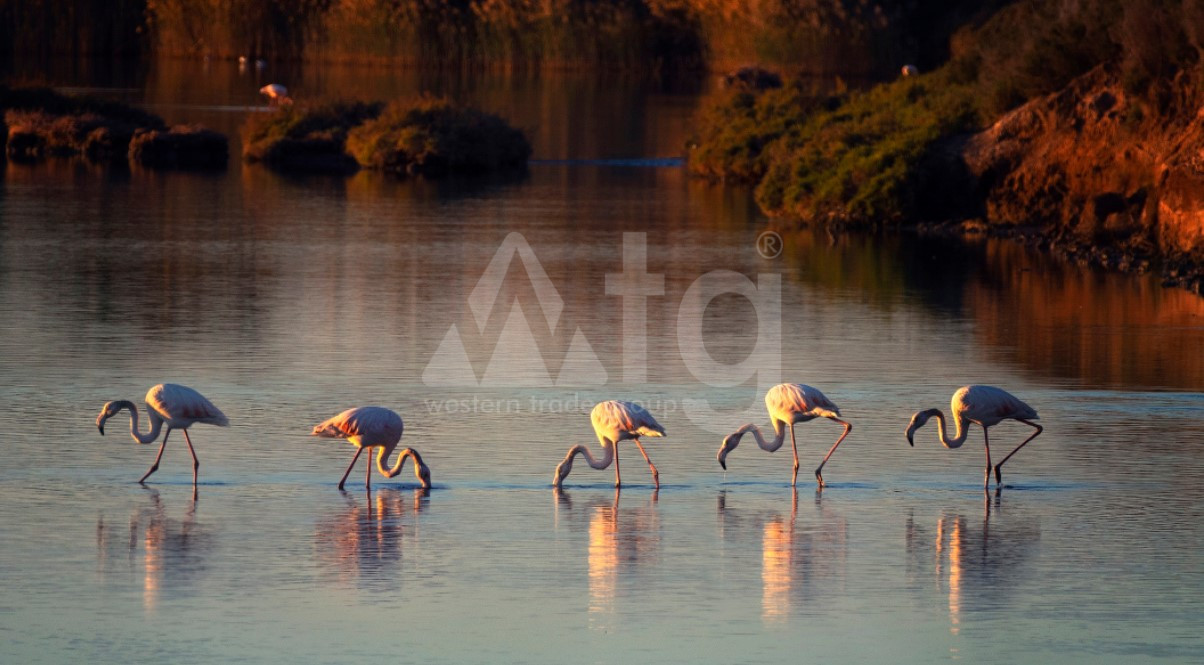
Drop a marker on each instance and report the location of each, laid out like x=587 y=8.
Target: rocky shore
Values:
x=1084 y=173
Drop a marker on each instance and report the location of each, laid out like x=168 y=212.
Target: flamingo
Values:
x=613 y=422
x=789 y=403
x=373 y=427
x=986 y=406
x=277 y=94
x=178 y=406
x=909 y=70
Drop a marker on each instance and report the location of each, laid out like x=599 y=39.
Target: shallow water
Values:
x=286 y=300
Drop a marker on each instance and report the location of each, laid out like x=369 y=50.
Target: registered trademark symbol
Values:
x=769 y=245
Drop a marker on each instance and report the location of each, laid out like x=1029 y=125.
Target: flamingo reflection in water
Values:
x=366 y=540
x=620 y=543
x=777 y=564
x=973 y=566
x=172 y=552
x=793 y=561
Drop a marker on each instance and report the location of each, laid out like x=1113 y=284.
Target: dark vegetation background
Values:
x=1079 y=118
x=847 y=37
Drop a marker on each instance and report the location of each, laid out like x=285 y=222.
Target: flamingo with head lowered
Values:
x=985 y=405
x=277 y=94
x=178 y=406
x=789 y=403
x=373 y=427
x=614 y=421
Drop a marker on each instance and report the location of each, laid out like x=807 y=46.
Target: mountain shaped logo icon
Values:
x=516 y=360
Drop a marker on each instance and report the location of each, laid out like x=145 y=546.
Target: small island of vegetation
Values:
x=427 y=136
x=39 y=122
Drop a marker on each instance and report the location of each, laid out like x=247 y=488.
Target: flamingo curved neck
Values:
x=156 y=423
x=608 y=455
x=963 y=429
x=778 y=439
x=401 y=460
x=766 y=445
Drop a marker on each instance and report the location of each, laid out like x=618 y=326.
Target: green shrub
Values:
x=306 y=138
x=736 y=128
x=433 y=136
x=860 y=160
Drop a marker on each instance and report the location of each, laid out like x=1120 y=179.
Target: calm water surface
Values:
x=286 y=300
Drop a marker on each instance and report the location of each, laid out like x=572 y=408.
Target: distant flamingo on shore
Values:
x=178 y=406
x=277 y=94
x=986 y=406
x=614 y=421
x=373 y=427
x=789 y=403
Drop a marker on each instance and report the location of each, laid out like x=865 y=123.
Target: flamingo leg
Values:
x=656 y=478
x=155 y=466
x=368 y=473
x=794 y=476
x=618 y=481
x=196 y=463
x=349 y=466
x=986 y=439
x=998 y=473
x=848 y=427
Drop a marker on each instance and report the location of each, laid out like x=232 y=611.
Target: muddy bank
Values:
x=1180 y=270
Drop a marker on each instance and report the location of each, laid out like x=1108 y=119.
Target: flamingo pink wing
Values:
x=796 y=398
x=342 y=426
x=990 y=405
x=618 y=418
x=175 y=402
x=642 y=421
x=373 y=424
x=817 y=401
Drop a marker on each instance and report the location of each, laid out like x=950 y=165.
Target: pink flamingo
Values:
x=789 y=403
x=277 y=94
x=985 y=405
x=614 y=421
x=178 y=406
x=373 y=427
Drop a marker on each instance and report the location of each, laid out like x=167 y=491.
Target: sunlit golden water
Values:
x=286 y=300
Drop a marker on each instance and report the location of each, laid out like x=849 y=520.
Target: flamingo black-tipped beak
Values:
x=101 y=427
x=723 y=464
x=910 y=442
